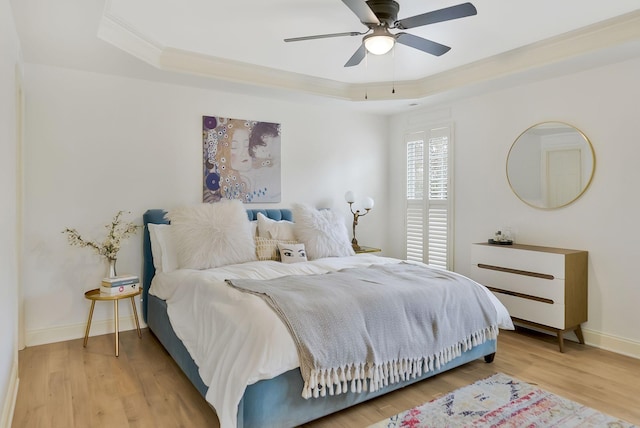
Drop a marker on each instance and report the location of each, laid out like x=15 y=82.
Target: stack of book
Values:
x=120 y=285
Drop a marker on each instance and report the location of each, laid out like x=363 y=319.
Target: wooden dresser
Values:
x=540 y=286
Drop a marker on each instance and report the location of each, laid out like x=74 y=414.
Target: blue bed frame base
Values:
x=277 y=402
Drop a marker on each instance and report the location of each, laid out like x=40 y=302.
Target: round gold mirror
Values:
x=550 y=165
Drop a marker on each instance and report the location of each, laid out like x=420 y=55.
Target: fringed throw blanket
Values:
x=364 y=328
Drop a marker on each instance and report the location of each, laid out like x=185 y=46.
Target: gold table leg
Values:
x=135 y=314
x=86 y=332
x=115 y=311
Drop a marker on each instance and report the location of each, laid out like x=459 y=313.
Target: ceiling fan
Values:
x=381 y=15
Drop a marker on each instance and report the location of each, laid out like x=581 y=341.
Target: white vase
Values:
x=112 y=268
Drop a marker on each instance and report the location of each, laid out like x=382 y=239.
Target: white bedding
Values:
x=234 y=337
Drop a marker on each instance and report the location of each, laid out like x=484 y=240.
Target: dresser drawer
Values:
x=536 y=262
x=552 y=315
x=551 y=290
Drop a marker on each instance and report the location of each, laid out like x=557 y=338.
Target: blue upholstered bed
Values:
x=275 y=402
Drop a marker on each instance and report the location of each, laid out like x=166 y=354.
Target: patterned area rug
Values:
x=501 y=401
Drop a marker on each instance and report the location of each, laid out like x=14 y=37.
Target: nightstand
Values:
x=94 y=295
x=362 y=249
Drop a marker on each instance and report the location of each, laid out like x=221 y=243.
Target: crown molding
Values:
x=178 y=60
x=584 y=41
x=117 y=32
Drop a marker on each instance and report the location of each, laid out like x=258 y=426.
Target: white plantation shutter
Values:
x=415 y=196
x=428 y=211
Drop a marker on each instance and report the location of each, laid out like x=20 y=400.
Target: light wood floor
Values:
x=63 y=385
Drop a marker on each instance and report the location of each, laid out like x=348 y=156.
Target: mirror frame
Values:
x=584 y=188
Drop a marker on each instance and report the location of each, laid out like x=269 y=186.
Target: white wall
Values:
x=96 y=144
x=603 y=103
x=9 y=62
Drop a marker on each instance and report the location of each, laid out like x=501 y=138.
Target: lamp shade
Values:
x=380 y=42
x=367 y=203
x=350 y=197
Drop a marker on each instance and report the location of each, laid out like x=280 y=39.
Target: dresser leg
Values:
x=561 y=341
x=578 y=332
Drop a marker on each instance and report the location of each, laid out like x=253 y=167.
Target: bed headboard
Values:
x=157 y=216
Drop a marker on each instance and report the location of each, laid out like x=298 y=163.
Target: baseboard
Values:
x=59 y=334
x=611 y=343
x=76 y=331
x=9 y=404
x=607 y=342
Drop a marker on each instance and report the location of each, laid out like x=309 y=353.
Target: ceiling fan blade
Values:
x=362 y=11
x=324 y=36
x=446 y=14
x=424 y=45
x=357 y=57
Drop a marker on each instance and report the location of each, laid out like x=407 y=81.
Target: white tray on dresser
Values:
x=543 y=287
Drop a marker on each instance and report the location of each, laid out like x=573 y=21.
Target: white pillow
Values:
x=323 y=232
x=292 y=253
x=267 y=249
x=212 y=235
x=163 y=249
x=274 y=229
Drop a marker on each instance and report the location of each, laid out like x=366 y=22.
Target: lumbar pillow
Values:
x=163 y=249
x=267 y=249
x=292 y=253
x=281 y=230
x=323 y=232
x=212 y=235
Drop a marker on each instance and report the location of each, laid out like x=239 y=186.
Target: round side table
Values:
x=94 y=295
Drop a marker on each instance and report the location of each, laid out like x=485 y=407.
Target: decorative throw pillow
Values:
x=212 y=235
x=267 y=249
x=274 y=229
x=323 y=232
x=292 y=253
x=163 y=249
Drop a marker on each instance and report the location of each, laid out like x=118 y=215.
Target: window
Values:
x=429 y=197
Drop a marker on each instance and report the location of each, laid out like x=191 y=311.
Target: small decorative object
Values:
x=500 y=238
x=112 y=268
x=508 y=235
x=367 y=204
x=111 y=245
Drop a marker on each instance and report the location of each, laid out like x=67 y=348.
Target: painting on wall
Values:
x=241 y=160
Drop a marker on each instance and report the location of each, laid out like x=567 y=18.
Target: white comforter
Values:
x=234 y=337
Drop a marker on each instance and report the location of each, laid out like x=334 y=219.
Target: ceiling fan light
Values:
x=379 y=44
